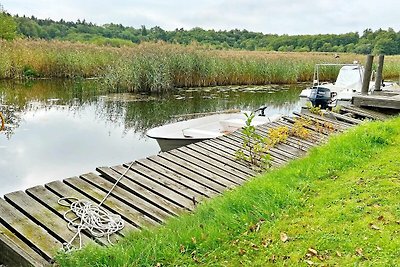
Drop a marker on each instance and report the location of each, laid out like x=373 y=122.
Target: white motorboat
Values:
x=186 y=132
x=348 y=82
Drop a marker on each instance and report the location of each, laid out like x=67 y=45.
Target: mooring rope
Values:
x=91 y=217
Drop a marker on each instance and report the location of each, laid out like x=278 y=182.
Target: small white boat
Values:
x=348 y=82
x=186 y=132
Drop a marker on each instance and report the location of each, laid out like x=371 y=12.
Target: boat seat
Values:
x=196 y=133
x=231 y=125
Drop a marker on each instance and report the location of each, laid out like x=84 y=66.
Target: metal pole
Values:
x=378 y=79
x=367 y=75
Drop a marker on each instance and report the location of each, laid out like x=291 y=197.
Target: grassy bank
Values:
x=338 y=206
x=161 y=66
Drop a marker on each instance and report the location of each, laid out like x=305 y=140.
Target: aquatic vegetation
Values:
x=161 y=66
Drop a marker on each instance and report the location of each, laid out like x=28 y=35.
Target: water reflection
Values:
x=58 y=129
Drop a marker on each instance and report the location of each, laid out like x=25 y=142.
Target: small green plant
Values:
x=314 y=110
x=278 y=135
x=337 y=109
x=254 y=149
x=299 y=128
x=29 y=72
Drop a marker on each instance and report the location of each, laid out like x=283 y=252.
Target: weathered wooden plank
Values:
x=215 y=147
x=214 y=163
x=226 y=161
x=44 y=217
x=286 y=146
x=345 y=118
x=327 y=117
x=128 y=198
x=337 y=125
x=200 y=171
x=206 y=164
x=34 y=235
x=228 y=149
x=274 y=154
x=163 y=188
x=142 y=192
x=172 y=166
x=291 y=143
x=225 y=154
x=161 y=179
x=291 y=139
x=295 y=151
x=50 y=200
x=314 y=138
x=377 y=101
x=340 y=123
x=47 y=198
x=132 y=217
x=235 y=147
x=64 y=190
x=315 y=135
x=371 y=114
x=183 y=180
x=286 y=154
x=15 y=252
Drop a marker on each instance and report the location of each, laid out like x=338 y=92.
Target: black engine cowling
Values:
x=320 y=97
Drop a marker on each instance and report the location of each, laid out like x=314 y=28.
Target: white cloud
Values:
x=268 y=16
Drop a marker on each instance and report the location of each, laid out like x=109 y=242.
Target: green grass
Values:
x=341 y=200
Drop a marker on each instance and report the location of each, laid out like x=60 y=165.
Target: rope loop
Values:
x=84 y=215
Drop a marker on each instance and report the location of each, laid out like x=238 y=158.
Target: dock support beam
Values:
x=367 y=75
x=378 y=78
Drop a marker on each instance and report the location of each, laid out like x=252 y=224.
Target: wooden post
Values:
x=367 y=75
x=378 y=79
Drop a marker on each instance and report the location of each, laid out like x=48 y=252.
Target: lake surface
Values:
x=60 y=129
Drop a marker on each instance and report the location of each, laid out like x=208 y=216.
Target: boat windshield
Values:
x=350 y=77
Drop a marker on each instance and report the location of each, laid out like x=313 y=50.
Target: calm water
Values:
x=59 y=129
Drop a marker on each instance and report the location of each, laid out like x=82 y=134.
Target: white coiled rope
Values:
x=84 y=215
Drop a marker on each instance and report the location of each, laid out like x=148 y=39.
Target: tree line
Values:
x=376 y=42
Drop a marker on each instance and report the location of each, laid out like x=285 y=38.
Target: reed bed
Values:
x=161 y=66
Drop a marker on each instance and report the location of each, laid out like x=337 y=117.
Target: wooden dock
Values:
x=32 y=227
x=388 y=100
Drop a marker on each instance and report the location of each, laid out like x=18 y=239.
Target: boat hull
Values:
x=348 y=82
x=169 y=144
x=182 y=133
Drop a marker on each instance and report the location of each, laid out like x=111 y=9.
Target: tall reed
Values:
x=160 y=66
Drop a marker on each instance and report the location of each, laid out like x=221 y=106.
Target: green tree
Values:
x=8 y=27
x=386 y=46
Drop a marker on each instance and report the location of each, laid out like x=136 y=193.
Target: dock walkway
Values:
x=32 y=227
x=386 y=99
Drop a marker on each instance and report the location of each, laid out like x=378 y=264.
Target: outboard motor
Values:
x=262 y=111
x=320 y=97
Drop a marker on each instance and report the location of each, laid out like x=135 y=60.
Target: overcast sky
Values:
x=268 y=16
